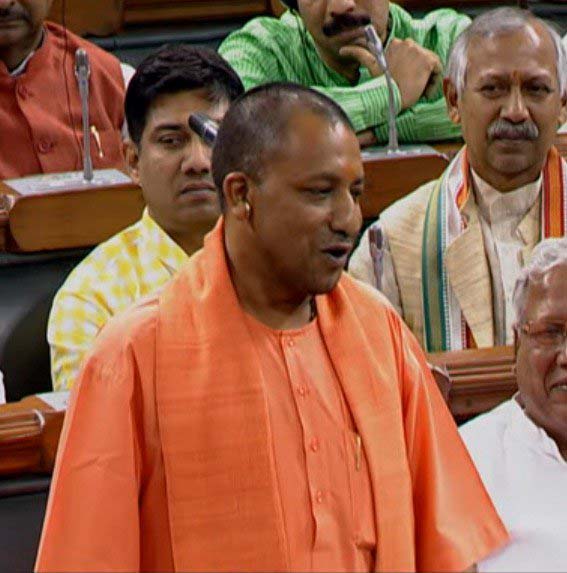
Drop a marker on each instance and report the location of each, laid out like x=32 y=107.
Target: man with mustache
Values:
x=173 y=167
x=245 y=418
x=320 y=43
x=448 y=255
x=40 y=105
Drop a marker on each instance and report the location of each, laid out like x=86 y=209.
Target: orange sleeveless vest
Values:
x=40 y=110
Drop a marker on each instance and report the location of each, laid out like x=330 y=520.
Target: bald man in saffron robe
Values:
x=266 y=412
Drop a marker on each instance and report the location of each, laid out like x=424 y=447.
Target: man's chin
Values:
x=326 y=284
x=9 y=36
x=512 y=164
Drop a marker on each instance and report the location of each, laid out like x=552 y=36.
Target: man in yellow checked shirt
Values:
x=172 y=166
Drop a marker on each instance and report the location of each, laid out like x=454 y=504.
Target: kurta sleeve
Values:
x=456 y=524
x=92 y=518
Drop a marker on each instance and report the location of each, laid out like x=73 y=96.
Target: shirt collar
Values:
x=496 y=206
x=19 y=70
x=158 y=242
x=526 y=432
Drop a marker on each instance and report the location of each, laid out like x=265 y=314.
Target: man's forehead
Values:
x=547 y=294
x=522 y=50
x=179 y=105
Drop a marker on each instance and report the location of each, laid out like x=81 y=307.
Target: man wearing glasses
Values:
x=520 y=447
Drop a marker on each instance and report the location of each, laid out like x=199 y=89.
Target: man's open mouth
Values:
x=338 y=253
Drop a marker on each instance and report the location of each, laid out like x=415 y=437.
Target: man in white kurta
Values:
x=451 y=251
x=520 y=447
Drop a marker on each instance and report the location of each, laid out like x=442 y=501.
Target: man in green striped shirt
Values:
x=320 y=44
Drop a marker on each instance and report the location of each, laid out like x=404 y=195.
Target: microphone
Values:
x=377 y=49
x=82 y=73
x=204 y=127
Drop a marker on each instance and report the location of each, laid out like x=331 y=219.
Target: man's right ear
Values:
x=452 y=99
x=238 y=194
x=132 y=157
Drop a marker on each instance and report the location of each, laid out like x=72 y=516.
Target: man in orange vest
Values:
x=40 y=105
x=266 y=412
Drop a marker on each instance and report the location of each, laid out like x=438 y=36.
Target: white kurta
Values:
x=500 y=215
x=526 y=477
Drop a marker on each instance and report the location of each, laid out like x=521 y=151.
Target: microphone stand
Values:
x=82 y=72
x=377 y=49
x=393 y=149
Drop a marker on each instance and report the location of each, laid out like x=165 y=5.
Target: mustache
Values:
x=14 y=12
x=342 y=22
x=504 y=129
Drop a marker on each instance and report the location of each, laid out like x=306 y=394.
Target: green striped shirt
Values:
x=281 y=49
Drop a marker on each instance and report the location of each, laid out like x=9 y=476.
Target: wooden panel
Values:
x=159 y=11
x=391 y=178
x=480 y=378
x=29 y=436
x=71 y=219
x=98 y=17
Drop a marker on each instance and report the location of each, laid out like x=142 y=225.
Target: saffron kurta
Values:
x=166 y=458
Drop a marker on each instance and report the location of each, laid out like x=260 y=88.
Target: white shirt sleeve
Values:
x=127 y=73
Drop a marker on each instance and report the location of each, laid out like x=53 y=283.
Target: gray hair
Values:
x=546 y=255
x=494 y=23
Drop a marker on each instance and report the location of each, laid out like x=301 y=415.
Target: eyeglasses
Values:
x=546 y=334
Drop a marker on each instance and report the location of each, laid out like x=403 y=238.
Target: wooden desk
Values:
x=86 y=218
x=390 y=179
x=480 y=378
x=29 y=436
x=68 y=219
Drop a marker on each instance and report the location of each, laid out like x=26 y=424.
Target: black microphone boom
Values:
x=204 y=127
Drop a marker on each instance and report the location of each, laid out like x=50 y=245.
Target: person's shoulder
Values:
x=483 y=435
x=430 y=18
x=367 y=299
x=266 y=28
x=69 y=41
x=436 y=28
x=113 y=258
x=132 y=330
x=411 y=205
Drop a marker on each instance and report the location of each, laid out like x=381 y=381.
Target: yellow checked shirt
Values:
x=134 y=263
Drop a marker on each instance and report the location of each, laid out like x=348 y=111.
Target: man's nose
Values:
x=515 y=109
x=337 y=7
x=346 y=214
x=197 y=158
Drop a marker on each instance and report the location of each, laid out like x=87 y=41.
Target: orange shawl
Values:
x=166 y=460
x=431 y=509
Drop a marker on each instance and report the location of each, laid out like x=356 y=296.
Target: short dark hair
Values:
x=254 y=128
x=173 y=69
